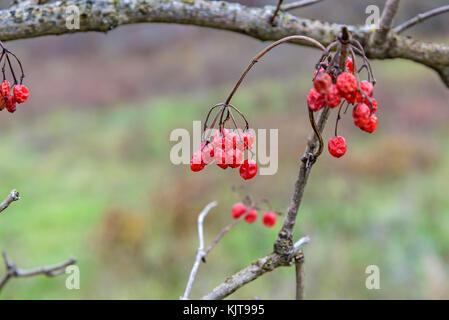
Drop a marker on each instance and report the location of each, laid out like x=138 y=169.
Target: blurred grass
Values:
x=97 y=184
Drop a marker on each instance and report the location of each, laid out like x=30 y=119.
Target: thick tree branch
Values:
x=420 y=18
x=50 y=271
x=105 y=15
x=13 y=196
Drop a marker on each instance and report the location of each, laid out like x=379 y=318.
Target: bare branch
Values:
x=105 y=15
x=13 y=196
x=50 y=271
x=386 y=21
x=222 y=233
x=298 y=4
x=276 y=11
x=299 y=266
x=200 y=252
x=420 y=18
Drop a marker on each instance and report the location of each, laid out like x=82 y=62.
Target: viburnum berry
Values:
x=231 y=140
x=5 y=89
x=269 y=218
x=207 y=152
x=219 y=140
x=10 y=104
x=21 y=93
x=196 y=163
x=352 y=98
x=234 y=158
x=251 y=216
x=350 y=64
x=238 y=210
x=220 y=158
x=333 y=97
x=346 y=83
x=318 y=71
x=248 y=140
x=337 y=146
x=248 y=169
x=373 y=104
x=315 y=100
x=322 y=82
x=361 y=114
x=371 y=125
x=367 y=87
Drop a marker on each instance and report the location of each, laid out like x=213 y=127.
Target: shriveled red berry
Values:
x=207 y=151
x=346 y=84
x=10 y=104
x=371 y=125
x=251 y=216
x=5 y=89
x=337 y=146
x=350 y=64
x=333 y=97
x=248 y=169
x=367 y=87
x=318 y=71
x=238 y=210
x=196 y=163
x=220 y=158
x=234 y=158
x=361 y=114
x=21 y=93
x=315 y=100
x=269 y=218
x=322 y=82
x=373 y=104
x=248 y=140
x=352 y=98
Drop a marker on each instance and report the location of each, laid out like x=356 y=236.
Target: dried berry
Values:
x=346 y=83
x=248 y=169
x=10 y=104
x=315 y=100
x=350 y=64
x=5 y=89
x=21 y=93
x=322 y=83
x=333 y=97
x=361 y=114
x=371 y=125
x=337 y=146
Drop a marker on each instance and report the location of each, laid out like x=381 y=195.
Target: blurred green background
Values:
x=89 y=154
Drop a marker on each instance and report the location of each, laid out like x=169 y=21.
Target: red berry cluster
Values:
x=332 y=91
x=227 y=149
x=8 y=100
x=239 y=209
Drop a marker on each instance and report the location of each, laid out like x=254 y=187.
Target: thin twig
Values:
x=200 y=252
x=386 y=21
x=276 y=10
x=50 y=271
x=221 y=234
x=13 y=196
x=298 y=4
x=420 y=18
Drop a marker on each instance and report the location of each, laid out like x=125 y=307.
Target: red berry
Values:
x=219 y=140
x=207 y=151
x=220 y=158
x=251 y=216
x=238 y=210
x=373 y=104
x=350 y=64
x=21 y=93
x=333 y=97
x=367 y=87
x=10 y=104
x=248 y=169
x=337 y=146
x=318 y=71
x=231 y=140
x=269 y=218
x=352 y=98
x=5 y=89
x=361 y=114
x=315 y=100
x=322 y=82
x=371 y=125
x=234 y=158
x=346 y=83
x=196 y=163
x=248 y=140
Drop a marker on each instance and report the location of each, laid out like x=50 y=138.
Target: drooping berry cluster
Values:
x=19 y=93
x=227 y=150
x=335 y=85
x=250 y=214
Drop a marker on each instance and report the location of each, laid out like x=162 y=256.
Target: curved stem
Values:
x=265 y=51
